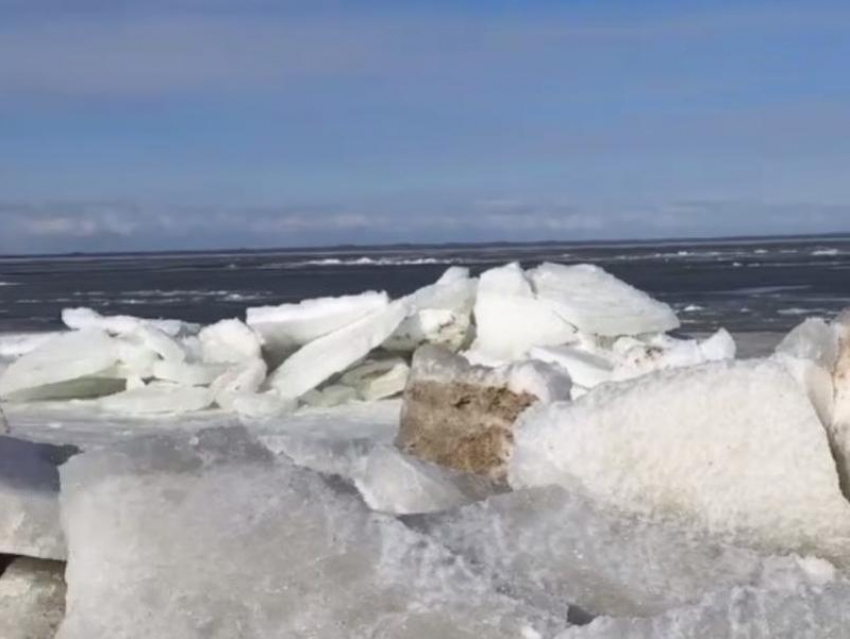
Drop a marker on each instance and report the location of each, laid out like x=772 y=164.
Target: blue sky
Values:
x=222 y=123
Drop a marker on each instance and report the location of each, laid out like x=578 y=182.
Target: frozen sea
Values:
x=755 y=288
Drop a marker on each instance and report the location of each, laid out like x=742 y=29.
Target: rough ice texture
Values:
x=29 y=498
x=160 y=398
x=229 y=341
x=459 y=416
x=737 y=447
x=321 y=359
x=662 y=352
x=210 y=536
x=792 y=604
x=550 y=546
x=55 y=369
x=32 y=599
x=509 y=318
x=395 y=483
x=86 y=318
x=597 y=302
x=286 y=327
x=378 y=379
x=242 y=380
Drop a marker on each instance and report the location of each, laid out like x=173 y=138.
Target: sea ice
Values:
x=32 y=599
x=377 y=379
x=229 y=341
x=330 y=396
x=210 y=536
x=86 y=318
x=158 y=398
x=44 y=372
x=596 y=302
x=287 y=327
x=551 y=546
x=242 y=380
x=584 y=368
x=188 y=374
x=737 y=447
x=321 y=359
x=13 y=345
x=510 y=320
x=395 y=483
x=790 y=605
x=661 y=352
x=29 y=498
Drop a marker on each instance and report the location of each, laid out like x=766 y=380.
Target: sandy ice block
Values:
x=44 y=372
x=286 y=327
x=810 y=603
x=229 y=341
x=551 y=546
x=29 y=498
x=157 y=399
x=32 y=599
x=597 y=302
x=210 y=535
x=510 y=319
x=737 y=447
x=321 y=359
x=87 y=318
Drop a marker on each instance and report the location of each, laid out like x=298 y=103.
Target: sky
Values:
x=206 y=124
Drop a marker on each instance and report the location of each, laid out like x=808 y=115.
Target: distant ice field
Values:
x=754 y=288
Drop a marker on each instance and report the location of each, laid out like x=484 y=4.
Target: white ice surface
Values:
x=286 y=327
x=595 y=301
x=321 y=359
x=377 y=379
x=584 y=368
x=86 y=318
x=510 y=320
x=737 y=447
x=155 y=399
x=250 y=546
x=229 y=341
x=40 y=374
x=241 y=380
x=551 y=546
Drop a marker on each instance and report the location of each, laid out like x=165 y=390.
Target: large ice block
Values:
x=32 y=599
x=737 y=447
x=210 y=536
x=229 y=341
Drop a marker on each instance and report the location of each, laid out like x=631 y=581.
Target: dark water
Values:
x=763 y=285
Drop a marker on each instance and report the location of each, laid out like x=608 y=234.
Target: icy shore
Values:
x=530 y=453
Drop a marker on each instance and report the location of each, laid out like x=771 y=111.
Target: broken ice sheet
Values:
x=29 y=498
x=254 y=547
x=550 y=546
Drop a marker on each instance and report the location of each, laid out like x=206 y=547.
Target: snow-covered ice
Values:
x=737 y=447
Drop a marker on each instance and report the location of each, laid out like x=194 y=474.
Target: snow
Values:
x=43 y=372
x=29 y=498
x=510 y=320
x=229 y=341
x=252 y=546
x=737 y=447
x=551 y=546
x=595 y=301
x=286 y=327
x=321 y=359
x=32 y=599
